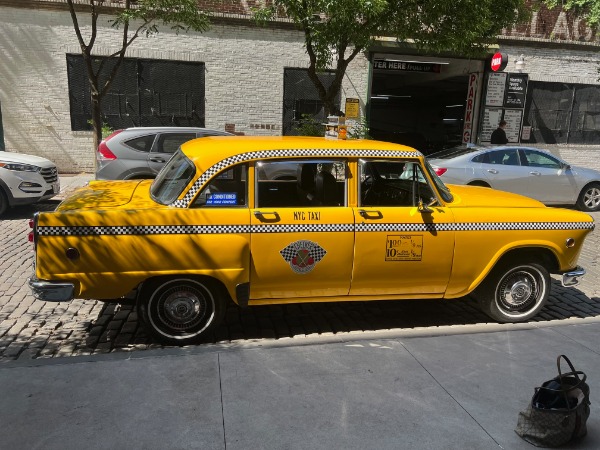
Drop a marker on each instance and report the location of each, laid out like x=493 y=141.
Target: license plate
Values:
x=56 y=188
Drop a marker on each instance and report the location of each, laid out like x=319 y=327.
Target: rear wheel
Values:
x=181 y=311
x=514 y=292
x=589 y=198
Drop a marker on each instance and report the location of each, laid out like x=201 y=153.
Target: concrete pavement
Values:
x=461 y=390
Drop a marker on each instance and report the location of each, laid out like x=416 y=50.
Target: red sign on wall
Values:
x=499 y=61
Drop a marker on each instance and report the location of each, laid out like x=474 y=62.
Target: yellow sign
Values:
x=404 y=248
x=352 y=108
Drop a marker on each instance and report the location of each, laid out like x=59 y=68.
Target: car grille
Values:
x=50 y=174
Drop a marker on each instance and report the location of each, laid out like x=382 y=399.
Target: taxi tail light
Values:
x=104 y=153
x=32 y=236
x=440 y=171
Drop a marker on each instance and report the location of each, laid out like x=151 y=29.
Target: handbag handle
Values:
x=574 y=372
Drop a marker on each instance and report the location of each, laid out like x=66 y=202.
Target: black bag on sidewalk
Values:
x=558 y=410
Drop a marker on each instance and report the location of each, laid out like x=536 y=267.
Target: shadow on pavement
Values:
x=118 y=328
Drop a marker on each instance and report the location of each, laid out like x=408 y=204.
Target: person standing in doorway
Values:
x=499 y=135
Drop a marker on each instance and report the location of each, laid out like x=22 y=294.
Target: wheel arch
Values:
x=539 y=253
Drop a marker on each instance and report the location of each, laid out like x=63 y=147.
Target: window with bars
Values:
x=144 y=92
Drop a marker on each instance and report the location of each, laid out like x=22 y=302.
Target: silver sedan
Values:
x=527 y=171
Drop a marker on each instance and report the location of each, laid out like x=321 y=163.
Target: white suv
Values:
x=26 y=179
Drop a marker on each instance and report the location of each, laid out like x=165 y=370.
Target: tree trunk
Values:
x=96 y=124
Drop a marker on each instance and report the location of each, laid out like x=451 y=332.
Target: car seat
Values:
x=511 y=160
x=326 y=189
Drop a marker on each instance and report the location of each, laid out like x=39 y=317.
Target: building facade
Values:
x=252 y=80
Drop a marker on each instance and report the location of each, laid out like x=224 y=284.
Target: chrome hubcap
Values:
x=181 y=308
x=518 y=292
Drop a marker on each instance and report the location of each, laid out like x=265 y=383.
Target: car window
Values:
x=539 y=159
x=169 y=142
x=507 y=157
x=454 y=152
x=142 y=143
x=295 y=183
x=393 y=183
x=172 y=179
x=227 y=189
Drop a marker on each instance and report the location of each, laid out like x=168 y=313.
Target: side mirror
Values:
x=426 y=208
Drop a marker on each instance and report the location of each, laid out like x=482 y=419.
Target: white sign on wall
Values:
x=469 y=110
x=495 y=89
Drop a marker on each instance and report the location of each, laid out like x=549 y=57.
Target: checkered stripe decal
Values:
x=143 y=230
x=306 y=228
x=475 y=226
x=312 y=228
x=244 y=157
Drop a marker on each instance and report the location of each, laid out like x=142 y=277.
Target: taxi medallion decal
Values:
x=302 y=256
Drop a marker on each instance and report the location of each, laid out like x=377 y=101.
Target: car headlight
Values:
x=19 y=167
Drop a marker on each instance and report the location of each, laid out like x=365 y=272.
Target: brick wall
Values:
x=244 y=78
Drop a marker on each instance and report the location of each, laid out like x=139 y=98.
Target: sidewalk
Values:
x=431 y=392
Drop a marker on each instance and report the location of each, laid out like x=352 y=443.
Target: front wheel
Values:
x=589 y=198
x=514 y=292
x=181 y=311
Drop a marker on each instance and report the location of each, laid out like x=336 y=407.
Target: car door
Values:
x=400 y=250
x=302 y=242
x=165 y=145
x=503 y=170
x=550 y=181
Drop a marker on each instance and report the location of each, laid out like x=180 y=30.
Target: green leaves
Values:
x=179 y=15
x=588 y=9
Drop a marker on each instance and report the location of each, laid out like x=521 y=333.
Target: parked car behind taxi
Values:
x=528 y=171
x=26 y=179
x=140 y=152
x=363 y=220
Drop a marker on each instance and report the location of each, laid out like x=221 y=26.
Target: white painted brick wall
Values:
x=244 y=78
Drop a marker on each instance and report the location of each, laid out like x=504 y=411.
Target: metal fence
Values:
x=562 y=113
x=144 y=93
x=301 y=98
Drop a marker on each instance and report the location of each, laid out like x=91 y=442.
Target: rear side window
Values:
x=143 y=143
x=170 y=142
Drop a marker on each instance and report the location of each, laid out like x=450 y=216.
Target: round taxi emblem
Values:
x=302 y=256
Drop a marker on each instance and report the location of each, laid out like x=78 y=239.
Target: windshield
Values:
x=441 y=187
x=172 y=179
x=453 y=152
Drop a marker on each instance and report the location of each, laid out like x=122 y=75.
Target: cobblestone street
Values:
x=34 y=329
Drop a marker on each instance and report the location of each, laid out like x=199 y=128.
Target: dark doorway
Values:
x=424 y=110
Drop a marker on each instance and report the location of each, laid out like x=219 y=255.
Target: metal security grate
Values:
x=144 y=93
x=300 y=97
x=562 y=113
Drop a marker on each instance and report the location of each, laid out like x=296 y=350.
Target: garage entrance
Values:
x=419 y=102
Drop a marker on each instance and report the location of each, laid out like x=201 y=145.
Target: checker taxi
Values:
x=357 y=220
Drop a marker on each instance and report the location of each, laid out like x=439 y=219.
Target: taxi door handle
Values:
x=537 y=174
x=260 y=215
x=370 y=214
x=492 y=171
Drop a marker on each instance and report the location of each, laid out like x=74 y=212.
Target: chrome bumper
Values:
x=51 y=291
x=571 y=278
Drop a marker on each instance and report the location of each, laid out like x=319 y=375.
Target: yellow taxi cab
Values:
x=361 y=220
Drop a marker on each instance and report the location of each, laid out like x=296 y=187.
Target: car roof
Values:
x=213 y=149
x=175 y=129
